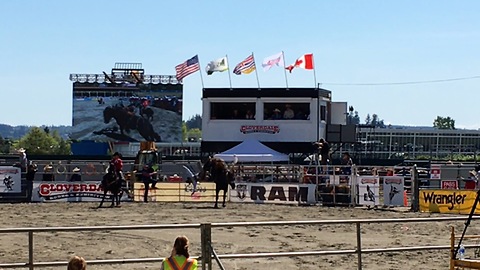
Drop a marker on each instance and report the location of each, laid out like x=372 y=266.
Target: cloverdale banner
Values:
x=60 y=191
x=448 y=201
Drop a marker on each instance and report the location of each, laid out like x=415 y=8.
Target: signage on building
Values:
x=260 y=129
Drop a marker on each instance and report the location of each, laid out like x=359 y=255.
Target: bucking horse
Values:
x=217 y=171
x=113 y=184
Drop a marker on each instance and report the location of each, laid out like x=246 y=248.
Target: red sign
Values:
x=449 y=184
x=435 y=172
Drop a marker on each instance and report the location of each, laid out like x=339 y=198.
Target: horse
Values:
x=220 y=175
x=129 y=121
x=111 y=183
x=147 y=113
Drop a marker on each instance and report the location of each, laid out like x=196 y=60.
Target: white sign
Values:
x=368 y=190
x=273 y=193
x=393 y=190
x=435 y=172
x=87 y=191
x=10 y=179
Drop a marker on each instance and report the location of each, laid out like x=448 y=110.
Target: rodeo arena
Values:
x=279 y=180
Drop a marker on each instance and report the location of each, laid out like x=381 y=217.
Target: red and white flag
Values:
x=305 y=62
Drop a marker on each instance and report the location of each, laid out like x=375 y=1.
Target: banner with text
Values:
x=273 y=193
x=448 y=201
x=368 y=190
x=87 y=191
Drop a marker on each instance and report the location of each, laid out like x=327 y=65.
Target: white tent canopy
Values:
x=252 y=150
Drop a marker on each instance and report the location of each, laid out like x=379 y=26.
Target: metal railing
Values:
x=207 y=251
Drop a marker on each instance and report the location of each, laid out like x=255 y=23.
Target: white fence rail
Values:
x=206 y=245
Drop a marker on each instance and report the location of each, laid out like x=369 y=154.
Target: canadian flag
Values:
x=305 y=61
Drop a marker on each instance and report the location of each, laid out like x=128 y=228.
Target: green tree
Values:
x=39 y=142
x=184 y=131
x=4 y=145
x=194 y=122
x=194 y=134
x=444 y=122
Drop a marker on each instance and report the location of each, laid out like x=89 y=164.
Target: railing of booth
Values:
x=207 y=251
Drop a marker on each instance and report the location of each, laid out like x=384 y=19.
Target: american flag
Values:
x=246 y=66
x=188 y=67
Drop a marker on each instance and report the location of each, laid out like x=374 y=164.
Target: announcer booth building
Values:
x=286 y=120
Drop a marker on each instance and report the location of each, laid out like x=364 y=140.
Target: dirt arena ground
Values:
x=60 y=246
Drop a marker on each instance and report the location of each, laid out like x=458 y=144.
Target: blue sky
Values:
x=42 y=42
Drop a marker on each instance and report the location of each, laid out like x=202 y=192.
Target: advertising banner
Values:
x=393 y=187
x=368 y=190
x=87 y=191
x=448 y=201
x=177 y=192
x=11 y=179
x=273 y=193
x=127 y=112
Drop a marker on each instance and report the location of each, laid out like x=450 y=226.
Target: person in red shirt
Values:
x=117 y=165
x=471 y=181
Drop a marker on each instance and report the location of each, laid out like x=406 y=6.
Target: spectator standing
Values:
x=288 y=113
x=147 y=179
x=276 y=114
x=347 y=163
x=179 y=258
x=471 y=181
x=76 y=175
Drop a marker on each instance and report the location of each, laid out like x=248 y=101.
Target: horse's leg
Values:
x=103 y=199
x=113 y=198
x=224 y=196
x=217 y=191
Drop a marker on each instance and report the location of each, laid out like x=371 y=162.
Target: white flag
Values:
x=274 y=60
x=217 y=65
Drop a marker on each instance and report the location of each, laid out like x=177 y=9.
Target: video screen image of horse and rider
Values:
x=127 y=113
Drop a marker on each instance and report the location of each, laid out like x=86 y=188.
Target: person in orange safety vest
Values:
x=179 y=258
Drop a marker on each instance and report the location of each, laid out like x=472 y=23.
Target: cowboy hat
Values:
x=76 y=169
x=21 y=150
x=48 y=167
x=473 y=172
x=276 y=110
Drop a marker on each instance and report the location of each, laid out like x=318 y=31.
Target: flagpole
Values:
x=228 y=71
x=256 y=72
x=314 y=72
x=201 y=76
x=284 y=70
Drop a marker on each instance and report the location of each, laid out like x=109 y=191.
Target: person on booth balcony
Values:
x=179 y=258
x=471 y=181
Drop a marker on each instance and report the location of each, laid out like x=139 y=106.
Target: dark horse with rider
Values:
x=127 y=120
x=216 y=169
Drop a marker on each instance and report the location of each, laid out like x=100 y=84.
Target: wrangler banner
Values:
x=447 y=201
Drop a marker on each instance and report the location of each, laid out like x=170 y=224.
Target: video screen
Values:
x=127 y=112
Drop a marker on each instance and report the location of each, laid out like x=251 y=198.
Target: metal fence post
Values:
x=416 y=190
x=359 y=246
x=206 y=239
x=30 y=250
